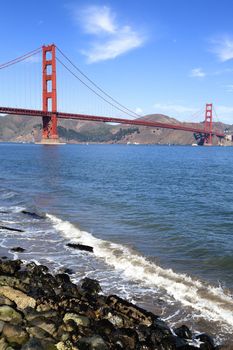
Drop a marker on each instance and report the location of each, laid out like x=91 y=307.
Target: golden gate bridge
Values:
x=50 y=113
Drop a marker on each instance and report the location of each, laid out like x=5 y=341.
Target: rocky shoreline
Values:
x=41 y=311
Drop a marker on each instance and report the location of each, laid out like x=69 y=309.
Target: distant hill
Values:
x=14 y=128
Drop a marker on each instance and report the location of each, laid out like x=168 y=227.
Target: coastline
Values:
x=40 y=310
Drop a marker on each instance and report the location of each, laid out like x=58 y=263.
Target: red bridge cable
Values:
x=20 y=58
x=99 y=88
x=90 y=88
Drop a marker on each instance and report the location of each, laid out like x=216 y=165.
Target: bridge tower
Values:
x=208 y=124
x=49 y=94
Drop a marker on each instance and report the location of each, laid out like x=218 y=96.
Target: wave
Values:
x=211 y=303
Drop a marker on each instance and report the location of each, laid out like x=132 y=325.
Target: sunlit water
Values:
x=159 y=218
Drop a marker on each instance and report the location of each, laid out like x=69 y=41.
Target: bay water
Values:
x=160 y=220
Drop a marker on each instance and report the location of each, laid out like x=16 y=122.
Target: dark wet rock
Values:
x=9 y=267
x=207 y=341
x=18 y=249
x=66 y=270
x=91 y=286
x=78 y=246
x=10 y=229
x=32 y=214
x=62 y=278
x=183 y=332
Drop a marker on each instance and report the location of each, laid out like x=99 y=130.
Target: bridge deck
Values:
x=86 y=117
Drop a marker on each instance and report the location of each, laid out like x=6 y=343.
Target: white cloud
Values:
x=224 y=114
x=197 y=73
x=138 y=110
x=111 y=38
x=223 y=48
x=96 y=20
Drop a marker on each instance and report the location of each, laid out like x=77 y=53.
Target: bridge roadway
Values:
x=86 y=117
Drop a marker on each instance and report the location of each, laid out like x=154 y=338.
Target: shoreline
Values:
x=40 y=310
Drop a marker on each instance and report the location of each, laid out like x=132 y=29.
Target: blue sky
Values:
x=154 y=56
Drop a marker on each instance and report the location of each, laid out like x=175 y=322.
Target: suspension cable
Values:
x=100 y=89
x=90 y=88
x=20 y=58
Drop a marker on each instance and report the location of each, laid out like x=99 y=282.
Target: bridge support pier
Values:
x=49 y=95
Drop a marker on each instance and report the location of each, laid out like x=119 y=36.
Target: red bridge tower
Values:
x=208 y=124
x=49 y=94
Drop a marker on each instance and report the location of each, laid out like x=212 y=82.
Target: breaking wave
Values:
x=209 y=302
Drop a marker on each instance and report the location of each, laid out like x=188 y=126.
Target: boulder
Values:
x=9 y=267
x=21 y=299
x=8 y=314
x=89 y=285
x=15 y=334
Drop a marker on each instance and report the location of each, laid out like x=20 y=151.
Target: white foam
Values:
x=209 y=302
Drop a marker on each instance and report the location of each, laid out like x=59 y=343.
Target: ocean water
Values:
x=160 y=220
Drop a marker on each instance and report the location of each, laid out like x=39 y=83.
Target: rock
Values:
x=10 y=229
x=8 y=314
x=15 y=334
x=13 y=282
x=183 y=332
x=86 y=248
x=91 y=286
x=78 y=319
x=6 y=301
x=131 y=310
x=32 y=214
x=21 y=299
x=39 y=333
x=118 y=321
x=3 y=344
x=17 y=249
x=67 y=345
x=92 y=343
x=126 y=337
x=9 y=267
x=33 y=344
x=44 y=324
x=66 y=270
x=208 y=343
x=62 y=278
